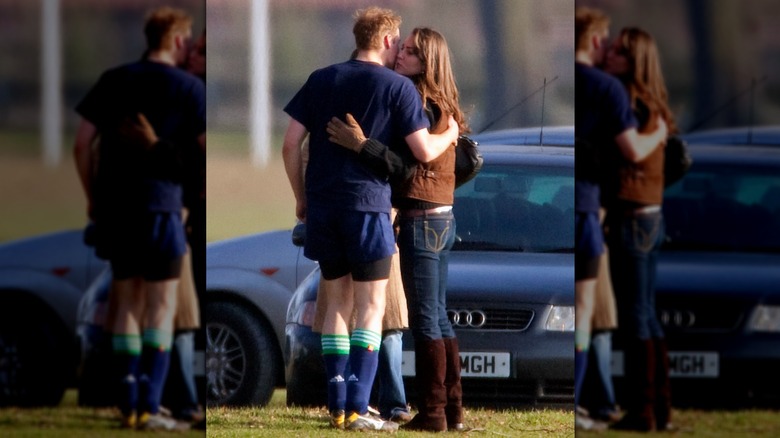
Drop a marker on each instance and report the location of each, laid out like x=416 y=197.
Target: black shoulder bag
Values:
x=677 y=160
x=468 y=160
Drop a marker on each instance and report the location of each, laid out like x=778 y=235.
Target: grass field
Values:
x=277 y=420
x=242 y=198
x=70 y=421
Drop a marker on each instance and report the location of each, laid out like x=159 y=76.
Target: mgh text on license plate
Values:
x=687 y=364
x=488 y=364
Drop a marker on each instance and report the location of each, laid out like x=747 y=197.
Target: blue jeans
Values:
x=601 y=359
x=180 y=394
x=634 y=244
x=424 y=245
x=392 y=395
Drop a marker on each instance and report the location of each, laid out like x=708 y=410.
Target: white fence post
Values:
x=259 y=66
x=51 y=83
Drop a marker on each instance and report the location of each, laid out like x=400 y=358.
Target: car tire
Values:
x=36 y=356
x=242 y=358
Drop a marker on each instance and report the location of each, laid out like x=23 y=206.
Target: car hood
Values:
x=708 y=273
x=252 y=251
x=510 y=276
x=62 y=254
x=270 y=253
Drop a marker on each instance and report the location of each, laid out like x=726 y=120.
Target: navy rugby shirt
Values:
x=602 y=112
x=385 y=104
x=173 y=101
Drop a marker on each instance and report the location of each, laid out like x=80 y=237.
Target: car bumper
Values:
x=541 y=366
x=742 y=366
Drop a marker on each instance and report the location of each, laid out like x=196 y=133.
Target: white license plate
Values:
x=687 y=364
x=472 y=364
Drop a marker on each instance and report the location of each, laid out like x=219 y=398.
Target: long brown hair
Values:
x=645 y=80
x=437 y=81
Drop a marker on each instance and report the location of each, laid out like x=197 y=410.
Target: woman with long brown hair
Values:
x=635 y=231
x=424 y=196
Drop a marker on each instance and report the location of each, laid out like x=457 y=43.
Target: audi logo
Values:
x=678 y=318
x=467 y=318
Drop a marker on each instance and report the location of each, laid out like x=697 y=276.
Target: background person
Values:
x=598 y=393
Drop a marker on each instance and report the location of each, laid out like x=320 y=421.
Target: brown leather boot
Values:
x=454 y=409
x=640 y=382
x=663 y=389
x=430 y=364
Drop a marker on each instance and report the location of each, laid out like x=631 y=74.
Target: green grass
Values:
x=276 y=420
x=68 y=420
x=710 y=423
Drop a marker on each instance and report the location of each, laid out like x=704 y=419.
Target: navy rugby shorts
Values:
x=588 y=244
x=149 y=246
x=341 y=237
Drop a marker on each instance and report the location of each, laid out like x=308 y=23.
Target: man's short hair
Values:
x=162 y=24
x=588 y=21
x=372 y=24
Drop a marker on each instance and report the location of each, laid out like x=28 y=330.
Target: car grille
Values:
x=694 y=318
x=490 y=319
x=513 y=391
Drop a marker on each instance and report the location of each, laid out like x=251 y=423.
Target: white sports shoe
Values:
x=368 y=421
x=159 y=422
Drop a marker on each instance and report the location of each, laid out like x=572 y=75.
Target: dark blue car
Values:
x=510 y=290
x=718 y=293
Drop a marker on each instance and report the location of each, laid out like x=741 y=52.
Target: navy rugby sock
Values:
x=155 y=359
x=363 y=362
x=335 y=352
x=127 y=356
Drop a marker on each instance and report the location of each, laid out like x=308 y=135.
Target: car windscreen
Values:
x=724 y=206
x=516 y=208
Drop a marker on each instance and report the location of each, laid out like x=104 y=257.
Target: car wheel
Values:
x=242 y=360
x=36 y=359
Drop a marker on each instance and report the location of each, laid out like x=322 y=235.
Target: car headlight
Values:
x=765 y=319
x=306 y=314
x=560 y=319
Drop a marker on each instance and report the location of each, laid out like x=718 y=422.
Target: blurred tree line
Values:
x=95 y=35
x=721 y=58
x=502 y=51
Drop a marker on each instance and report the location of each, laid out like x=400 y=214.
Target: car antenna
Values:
x=750 y=89
x=542 y=88
x=750 y=109
x=541 y=125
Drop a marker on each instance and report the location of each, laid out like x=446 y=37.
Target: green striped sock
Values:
x=370 y=340
x=127 y=344
x=335 y=344
x=158 y=339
